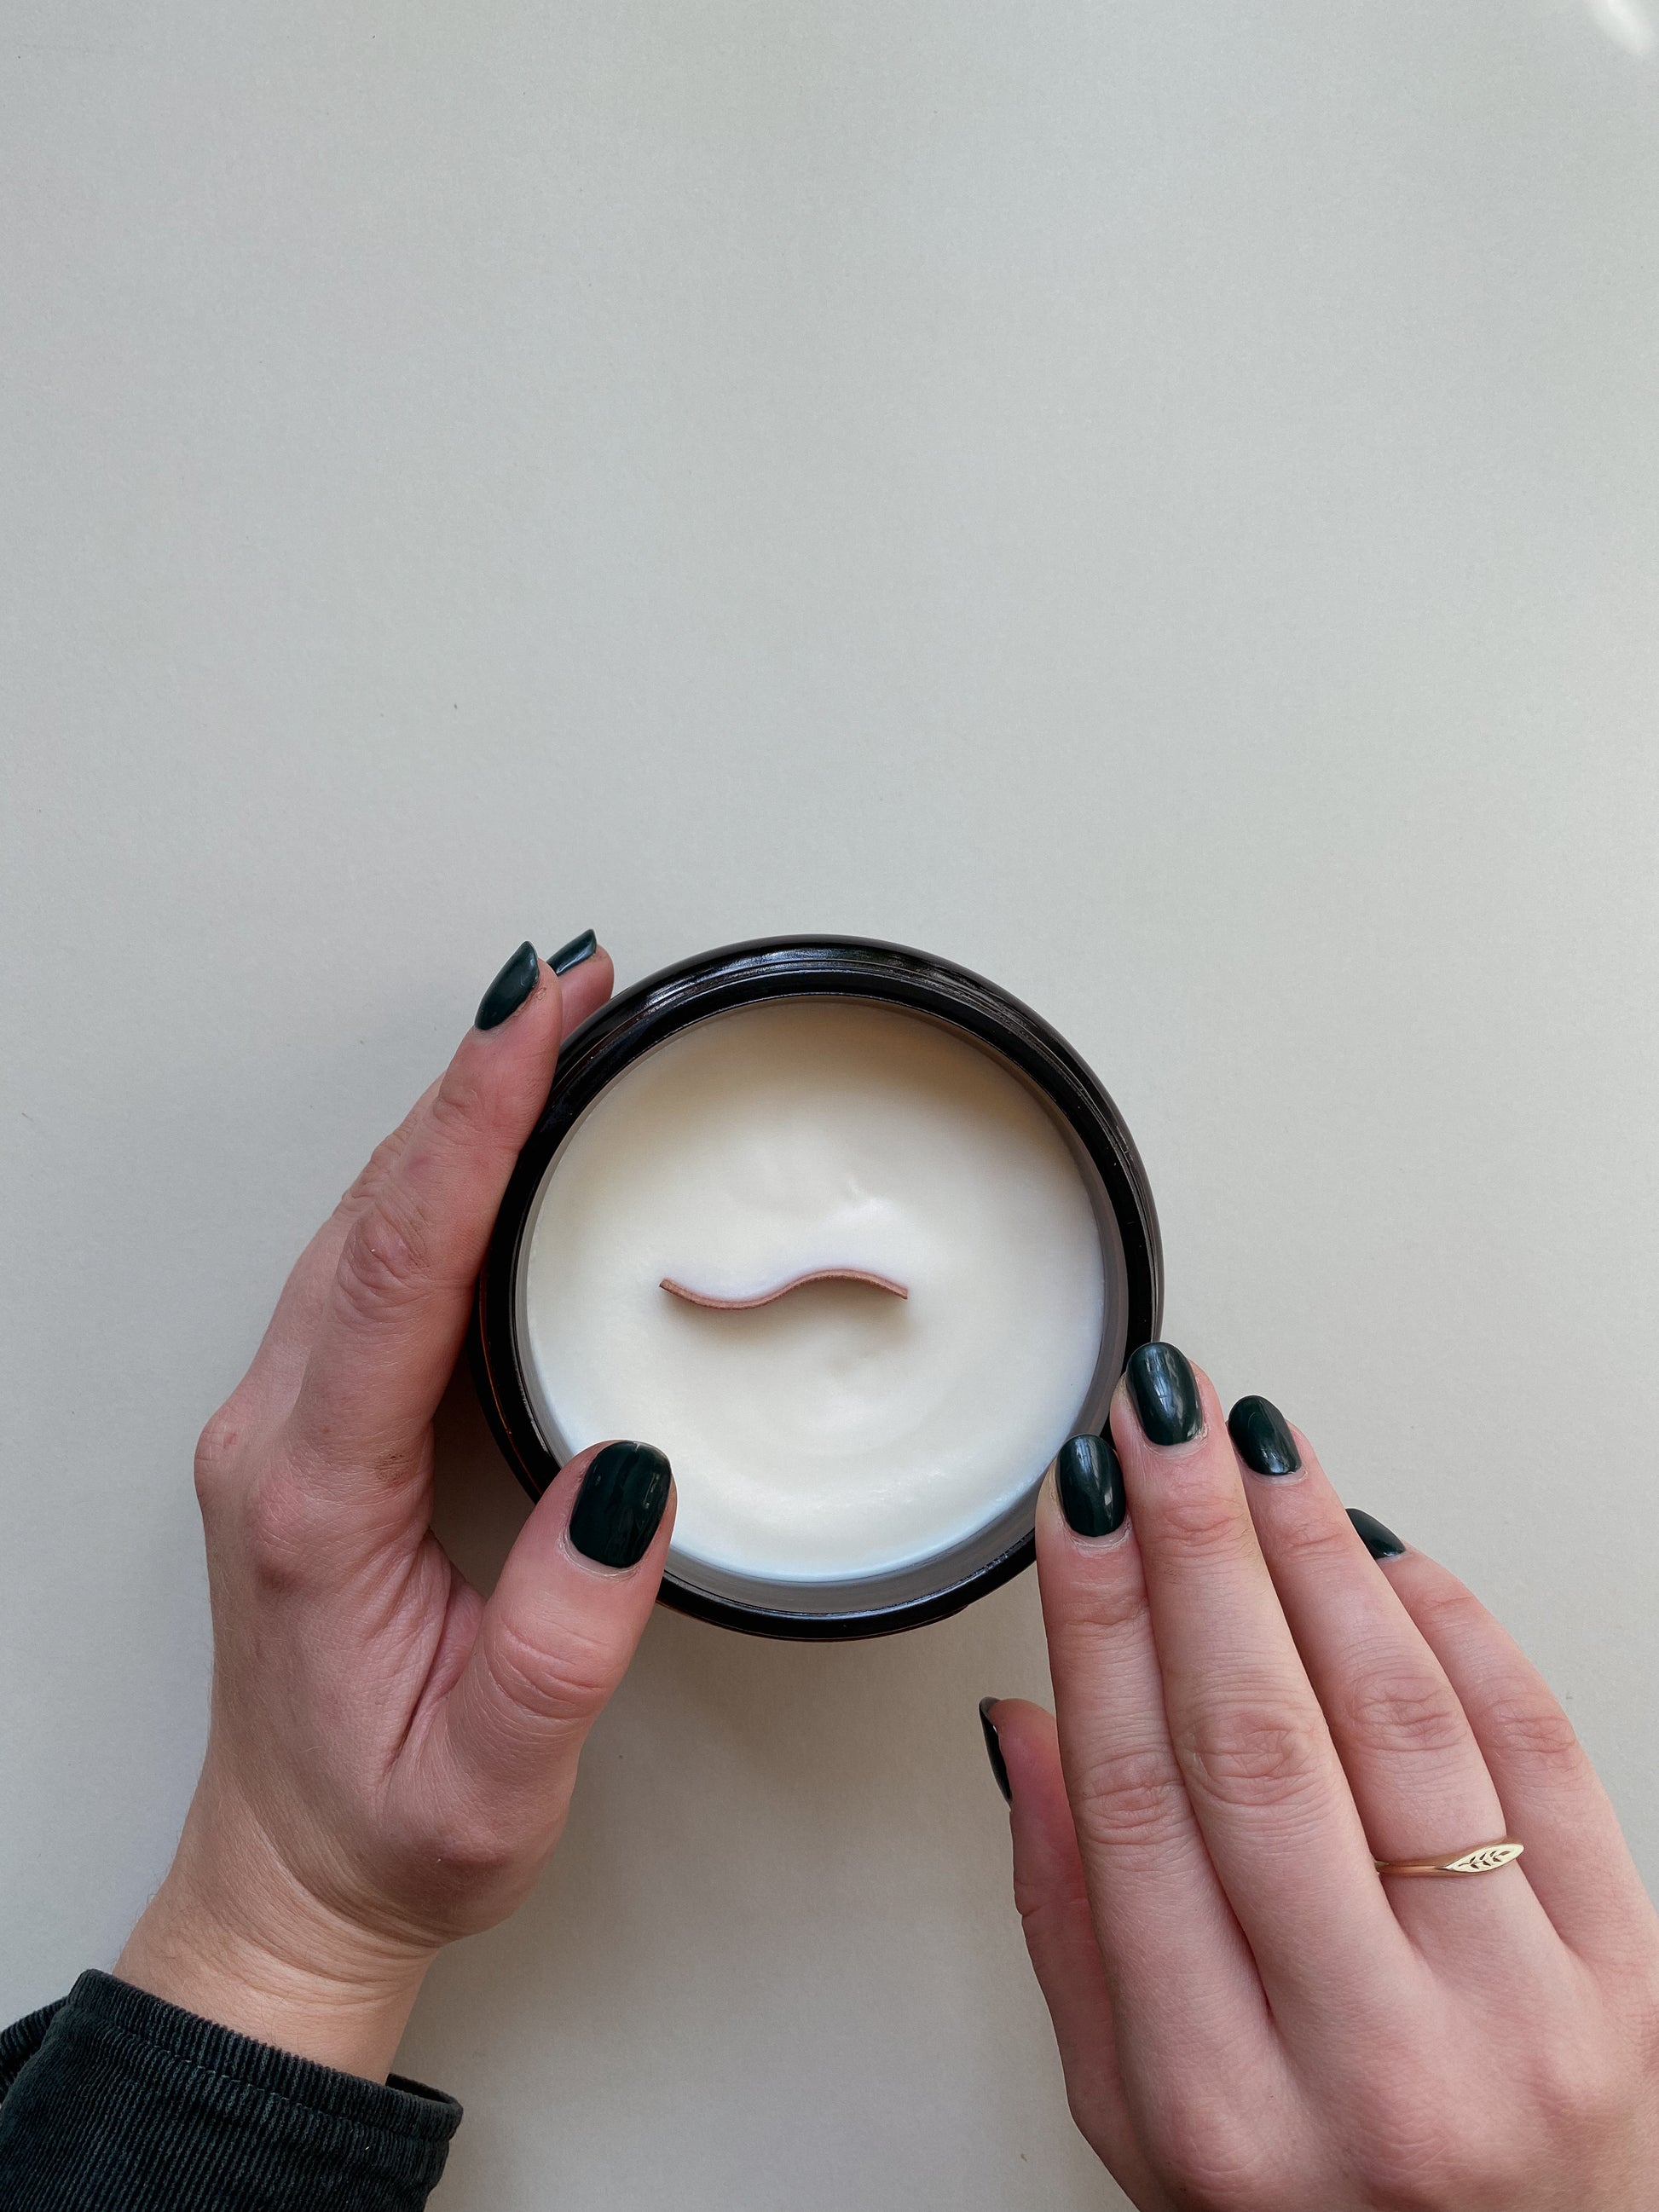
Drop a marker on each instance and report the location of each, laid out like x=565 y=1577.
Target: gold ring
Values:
x=1481 y=1860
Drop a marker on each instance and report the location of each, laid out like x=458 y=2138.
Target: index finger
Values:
x=1185 y=1996
x=393 y=1310
x=1256 y=1755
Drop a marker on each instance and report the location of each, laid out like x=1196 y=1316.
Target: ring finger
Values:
x=1411 y=1760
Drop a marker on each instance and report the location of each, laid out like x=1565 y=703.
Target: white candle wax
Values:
x=840 y=1429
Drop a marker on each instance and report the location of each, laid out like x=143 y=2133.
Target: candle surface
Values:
x=837 y=1429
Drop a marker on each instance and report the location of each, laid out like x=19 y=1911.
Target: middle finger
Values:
x=1256 y=1754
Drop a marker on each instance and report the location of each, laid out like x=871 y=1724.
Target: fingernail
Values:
x=510 y=988
x=994 y=1750
x=1165 y=1392
x=1260 y=1437
x=573 y=954
x=1090 y=1482
x=620 y=1504
x=1382 y=1543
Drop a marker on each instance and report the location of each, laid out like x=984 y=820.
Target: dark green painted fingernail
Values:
x=510 y=988
x=620 y=1504
x=1090 y=1482
x=573 y=954
x=994 y=1750
x=1165 y=1392
x=1260 y=1437
x=1382 y=1543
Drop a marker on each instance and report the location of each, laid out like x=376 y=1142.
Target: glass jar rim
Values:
x=650 y=1012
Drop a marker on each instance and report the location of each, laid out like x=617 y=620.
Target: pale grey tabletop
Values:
x=1161 y=506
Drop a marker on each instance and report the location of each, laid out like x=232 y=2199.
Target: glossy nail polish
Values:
x=573 y=954
x=994 y=1750
x=1165 y=1394
x=1262 y=1438
x=620 y=1504
x=510 y=988
x=1382 y=1543
x=1090 y=1484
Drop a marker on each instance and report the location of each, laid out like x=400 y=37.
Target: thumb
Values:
x=556 y=1636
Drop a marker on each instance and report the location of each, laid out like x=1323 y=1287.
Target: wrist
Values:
x=269 y=1961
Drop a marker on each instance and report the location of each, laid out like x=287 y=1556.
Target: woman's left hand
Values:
x=391 y=1757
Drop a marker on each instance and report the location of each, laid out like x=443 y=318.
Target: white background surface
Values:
x=1161 y=505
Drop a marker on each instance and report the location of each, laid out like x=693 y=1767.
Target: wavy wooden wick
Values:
x=798 y=1282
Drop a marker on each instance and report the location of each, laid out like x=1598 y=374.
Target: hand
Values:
x=1251 y=1701
x=390 y=1758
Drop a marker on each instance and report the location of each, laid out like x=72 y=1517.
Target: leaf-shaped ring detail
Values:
x=1484 y=1858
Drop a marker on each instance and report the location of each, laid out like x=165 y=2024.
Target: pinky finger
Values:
x=1053 y=1910
x=1577 y=1859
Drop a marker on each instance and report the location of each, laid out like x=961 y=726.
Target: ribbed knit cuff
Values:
x=114 y=2101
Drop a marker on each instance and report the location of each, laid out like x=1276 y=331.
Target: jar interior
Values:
x=966 y=1554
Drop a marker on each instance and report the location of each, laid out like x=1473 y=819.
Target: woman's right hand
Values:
x=390 y=1756
x=1255 y=1694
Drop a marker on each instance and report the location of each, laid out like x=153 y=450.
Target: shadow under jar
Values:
x=855 y=1237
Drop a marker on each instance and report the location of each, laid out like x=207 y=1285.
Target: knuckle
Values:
x=470 y=1850
x=1118 y=1616
x=1577 y=2091
x=1404 y=1708
x=1052 y=1920
x=279 y=1533
x=217 y=1452
x=1313 y=1538
x=563 y=1683
x=468 y=1111
x=1528 y=1724
x=386 y=1262
x=1128 y=1794
x=1448 y=1613
x=384 y=1156
x=1215 y=2161
x=1252 y=1752
x=1203 y=1523
x=1416 y=2146
x=1094 y=1640
x=1407 y=2145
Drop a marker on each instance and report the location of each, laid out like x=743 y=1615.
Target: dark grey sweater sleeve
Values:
x=112 y=2101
